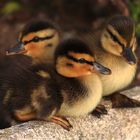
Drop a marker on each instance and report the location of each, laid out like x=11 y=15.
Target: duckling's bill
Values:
x=100 y=68
x=129 y=55
x=18 y=49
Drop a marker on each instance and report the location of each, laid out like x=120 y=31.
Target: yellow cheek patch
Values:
x=43 y=74
x=28 y=37
x=120 y=38
x=44 y=33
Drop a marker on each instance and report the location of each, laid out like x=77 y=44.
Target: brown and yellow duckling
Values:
x=82 y=91
x=28 y=95
x=43 y=93
x=115 y=48
x=38 y=39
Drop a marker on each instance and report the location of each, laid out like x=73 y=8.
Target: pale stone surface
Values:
x=119 y=124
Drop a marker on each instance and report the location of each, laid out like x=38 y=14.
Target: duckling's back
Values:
x=26 y=89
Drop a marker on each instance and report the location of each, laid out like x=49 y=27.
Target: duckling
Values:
x=43 y=92
x=80 y=85
x=28 y=95
x=38 y=39
x=115 y=48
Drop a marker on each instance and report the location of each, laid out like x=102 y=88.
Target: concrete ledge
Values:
x=119 y=124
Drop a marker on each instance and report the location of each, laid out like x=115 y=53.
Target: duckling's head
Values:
x=119 y=38
x=38 y=40
x=74 y=59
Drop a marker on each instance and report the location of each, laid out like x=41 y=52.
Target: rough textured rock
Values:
x=119 y=124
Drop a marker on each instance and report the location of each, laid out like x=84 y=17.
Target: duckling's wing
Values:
x=14 y=68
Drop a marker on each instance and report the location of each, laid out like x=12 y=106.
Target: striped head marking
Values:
x=119 y=38
x=74 y=59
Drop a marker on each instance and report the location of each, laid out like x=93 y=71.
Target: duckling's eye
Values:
x=81 y=60
x=35 y=39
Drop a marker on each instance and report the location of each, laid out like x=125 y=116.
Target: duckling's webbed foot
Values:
x=99 y=110
x=122 y=101
x=62 y=122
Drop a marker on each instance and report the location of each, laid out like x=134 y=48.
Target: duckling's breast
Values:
x=122 y=75
x=87 y=101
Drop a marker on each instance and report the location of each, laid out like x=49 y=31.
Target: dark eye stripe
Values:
x=78 y=61
x=39 y=39
x=115 y=39
x=72 y=58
